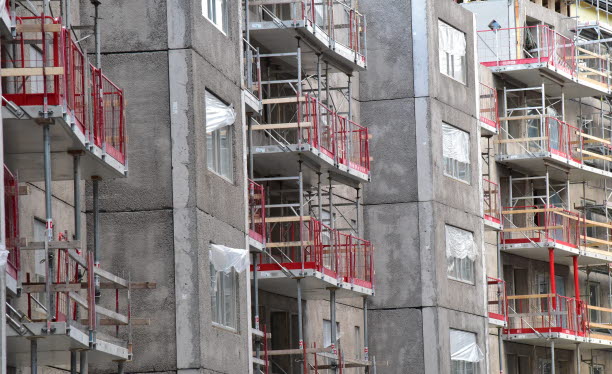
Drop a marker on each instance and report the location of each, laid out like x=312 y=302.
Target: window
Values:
x=223 y=296
x=216 y=12
x=460 y=254
x=597 y=369
x=456 y=153
x=219 y=120
x=358 y=346
x=452 y=47
x=465 y=353
x=545 y=366
x=327 y=339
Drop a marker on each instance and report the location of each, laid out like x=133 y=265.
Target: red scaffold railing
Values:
x=492 y=201
x=11 y=222
x=497 y=303
x=58 y=74
x=257 y=212
x=488 y=106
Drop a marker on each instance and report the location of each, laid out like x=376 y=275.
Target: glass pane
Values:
x=225 y=152
x=210 y=151
x=229 y=299
x=214 y=294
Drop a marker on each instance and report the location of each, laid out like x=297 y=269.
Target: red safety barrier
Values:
x=547 y=313
x=11 y=222
x=62 y=81
x=541 y=224
x=489 y=106
x=497 y=302
x=491 y=201
x=257 y=212
x=527 y=45
x=353 y=145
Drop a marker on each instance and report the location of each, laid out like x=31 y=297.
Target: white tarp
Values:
x=225 y=258
x=463 y=346
x=3 y=258
x=452 y=41
x=456 y=144
x=460 y=243
x=218 y=115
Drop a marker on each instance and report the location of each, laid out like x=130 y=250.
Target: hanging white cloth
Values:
x=225 y=258
x=451 y=40
x=464 y=347
x=218 y=115
x=460 y=243
x=456 y=144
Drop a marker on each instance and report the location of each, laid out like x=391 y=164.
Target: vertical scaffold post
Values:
x=348 y=131
x=96 y=5
x=300 y=316
x=76 y=174
x=577 y=358
x=319 y=197
x=73 y=362
x=299 y=277
x=318 y=109
x=84 y=367
x=121 y=367
x=96 y=233
x=366 y=350
x=34 y=356
x=332 y=316
x=552 y=356
x=49 y=225
x=357 y=201
x=256 y=304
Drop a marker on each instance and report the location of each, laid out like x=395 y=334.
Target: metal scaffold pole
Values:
x=96 y=234
x=34 y=356
x=84 y=367
x=49 y=226
x=332 y=316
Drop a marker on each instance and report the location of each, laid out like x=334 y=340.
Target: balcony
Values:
x=252 y=78
x=302 y=126
x=46 y=80
x=539 y=55
x=530 y=231
x=11 y=224
x=257 y=215
x=491 y=205
x=497 y=303
x=550 y=141
x=329 y=26
x=324 y=257
x=489 y=120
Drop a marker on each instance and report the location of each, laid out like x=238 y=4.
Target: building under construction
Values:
x=299 y=186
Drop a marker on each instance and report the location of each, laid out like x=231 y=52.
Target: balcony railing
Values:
x=491 y=202
x=257 y=212
x=539 y=223
x=11 y=222
x=345 y=142
x=319 y=247
x=547 y=313
x=497 y=303
x=488 y=106
x=341 y=23
x=49 y=68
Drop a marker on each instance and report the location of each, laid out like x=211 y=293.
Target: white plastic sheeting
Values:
x=460 y=243
x=218 y=115
x=225 y=258
x=456 y=143
x=3 y=257
x=463 y=346
x=452 y=41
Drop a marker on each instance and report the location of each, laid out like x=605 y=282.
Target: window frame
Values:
x=224 y=12
x=455 y=262
x=214 y=146
x=451 y=165
x=460 y=366
x=446 y=59
x=218 y=299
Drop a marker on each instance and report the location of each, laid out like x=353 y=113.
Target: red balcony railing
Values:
x=11 y=222
x=319 y=247
x=527 y=45
x=58 y=76
x=257 y=212
x=353 y=145
x=539 y=223
x=497 y=303
x=488 y=106
x=492 y=202
x=547 y=313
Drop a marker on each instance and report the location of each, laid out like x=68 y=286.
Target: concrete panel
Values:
x=216 y=195
x=393 y=148
x=148 y=185
x=136 y=25
x=389 y=39
x=140 y=244
x=395 y=231
x=396 y=340
x=222 y=350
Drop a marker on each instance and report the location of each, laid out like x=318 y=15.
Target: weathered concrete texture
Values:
x=221 y=50
x=221 y=350
x=216 y=195
x=148 y=128
x=140 y=244
x=135 y=25
x=397 y=262
x=394 y=151
x=388 y=76
x=398 y=340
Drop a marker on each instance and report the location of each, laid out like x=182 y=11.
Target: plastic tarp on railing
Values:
x=218 y=115
x=464 y=347
x=460 y=243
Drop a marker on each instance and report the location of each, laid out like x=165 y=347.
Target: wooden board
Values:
x=520 y=297
x=520 y=140
x=26 y=72
x=591 y=137
x=283 y=219
x=278 y=126
x=601 y=157
x=538 y=210
x=287 y=244
x=534 y=228
x=35 y=27
x=283 y=100
x=516 y=118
